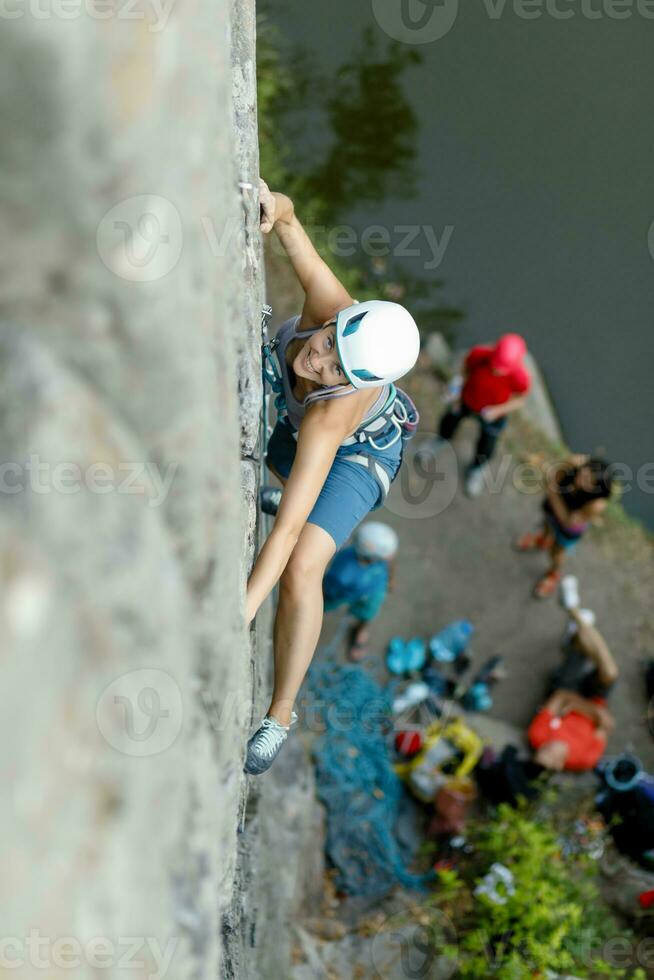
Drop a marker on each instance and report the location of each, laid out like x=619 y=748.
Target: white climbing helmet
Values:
x=375 y=540
x=377 y=342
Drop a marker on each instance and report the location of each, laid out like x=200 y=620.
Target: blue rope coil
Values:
x=356 y=781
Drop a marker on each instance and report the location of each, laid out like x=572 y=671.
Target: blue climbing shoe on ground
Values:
x=264 y=745
x=396 y=656
x=270 y=498
x=415 y=654
x=404 y=658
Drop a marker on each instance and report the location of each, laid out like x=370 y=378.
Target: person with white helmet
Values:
x=360 y=578
x=336 y=448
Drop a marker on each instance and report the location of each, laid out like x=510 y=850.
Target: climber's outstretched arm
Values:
x=325 y=294
x=323 y=429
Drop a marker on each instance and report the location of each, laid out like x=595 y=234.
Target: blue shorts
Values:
x=350 y=490
x=562 y=539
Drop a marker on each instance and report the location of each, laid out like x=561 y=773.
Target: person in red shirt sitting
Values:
x=571 y=730
x=496 y=383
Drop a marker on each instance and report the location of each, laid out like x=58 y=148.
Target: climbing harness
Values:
x=397 y=419
x=399 y=413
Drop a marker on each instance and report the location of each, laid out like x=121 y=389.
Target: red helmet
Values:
x=508 y=353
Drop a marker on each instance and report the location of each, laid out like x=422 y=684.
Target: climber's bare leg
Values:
x=299 y=617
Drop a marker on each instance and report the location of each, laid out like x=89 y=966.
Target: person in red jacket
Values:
x=495 y=383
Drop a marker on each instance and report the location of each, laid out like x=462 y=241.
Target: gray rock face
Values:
x=130 y=296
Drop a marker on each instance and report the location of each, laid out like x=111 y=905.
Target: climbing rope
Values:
x=356 y=781
x=268 y=375
x=269 y=366
x=266 y=358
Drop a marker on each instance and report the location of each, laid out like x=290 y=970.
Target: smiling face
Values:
x=318 y=360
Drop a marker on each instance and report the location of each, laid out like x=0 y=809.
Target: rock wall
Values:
x=130 y=295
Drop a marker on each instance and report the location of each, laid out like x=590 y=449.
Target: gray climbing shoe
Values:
x=270 y=500
x=264 y=745
x=476 y=480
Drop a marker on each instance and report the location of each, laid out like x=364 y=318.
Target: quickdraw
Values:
x=269 y=365
x=268 y=376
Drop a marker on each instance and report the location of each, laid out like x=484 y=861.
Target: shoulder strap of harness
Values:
x=398 y=410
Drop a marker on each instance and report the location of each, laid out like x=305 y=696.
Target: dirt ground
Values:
x=456 y=561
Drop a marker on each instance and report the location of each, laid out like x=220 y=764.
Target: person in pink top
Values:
x=495 y=384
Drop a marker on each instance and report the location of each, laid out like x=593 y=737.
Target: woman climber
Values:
x=336 y=448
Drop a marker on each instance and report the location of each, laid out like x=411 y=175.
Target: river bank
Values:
x=541 y=177
x=456 y=560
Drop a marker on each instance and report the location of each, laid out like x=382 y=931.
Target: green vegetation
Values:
x=555 y=922
x=370 y=154
x=374 y=130
x=618 y=531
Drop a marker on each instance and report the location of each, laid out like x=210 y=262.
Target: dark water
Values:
x=536 y=145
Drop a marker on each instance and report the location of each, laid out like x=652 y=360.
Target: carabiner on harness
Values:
x=271 y=373
x=397 y=434
x=398 y=419
x=407 y=413
x=266 y=313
